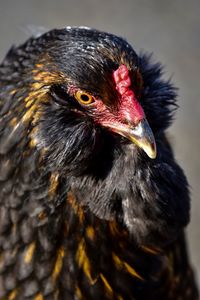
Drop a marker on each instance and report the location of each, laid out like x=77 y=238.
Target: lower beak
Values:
x=141 y=135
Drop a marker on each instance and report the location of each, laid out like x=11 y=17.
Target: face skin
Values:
x=127 y=119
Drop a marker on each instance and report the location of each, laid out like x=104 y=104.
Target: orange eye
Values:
x=83 y=97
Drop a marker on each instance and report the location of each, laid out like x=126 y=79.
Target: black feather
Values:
x=82 y=209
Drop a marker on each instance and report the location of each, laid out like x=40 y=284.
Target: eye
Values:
x=83 y=97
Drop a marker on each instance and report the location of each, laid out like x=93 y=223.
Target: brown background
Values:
x=170 y=29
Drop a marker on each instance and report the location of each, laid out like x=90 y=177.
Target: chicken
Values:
x=92 y=202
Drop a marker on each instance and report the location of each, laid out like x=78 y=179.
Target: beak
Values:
x=141 y=135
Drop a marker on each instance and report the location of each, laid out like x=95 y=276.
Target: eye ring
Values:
x=83 y=97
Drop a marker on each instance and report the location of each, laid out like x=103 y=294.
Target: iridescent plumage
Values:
x=84 y=212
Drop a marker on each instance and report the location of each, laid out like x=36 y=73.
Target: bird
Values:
x=93 y=204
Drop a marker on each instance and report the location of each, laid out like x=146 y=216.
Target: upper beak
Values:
x=141 y=135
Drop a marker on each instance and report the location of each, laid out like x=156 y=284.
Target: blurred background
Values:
x=170 y=29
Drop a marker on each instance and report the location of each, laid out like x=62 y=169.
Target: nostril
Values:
x=127 y=121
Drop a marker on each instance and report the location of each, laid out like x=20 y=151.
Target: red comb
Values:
x=130 y=107
x=122 y=79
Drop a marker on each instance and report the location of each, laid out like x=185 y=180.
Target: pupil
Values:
x=84 y=97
